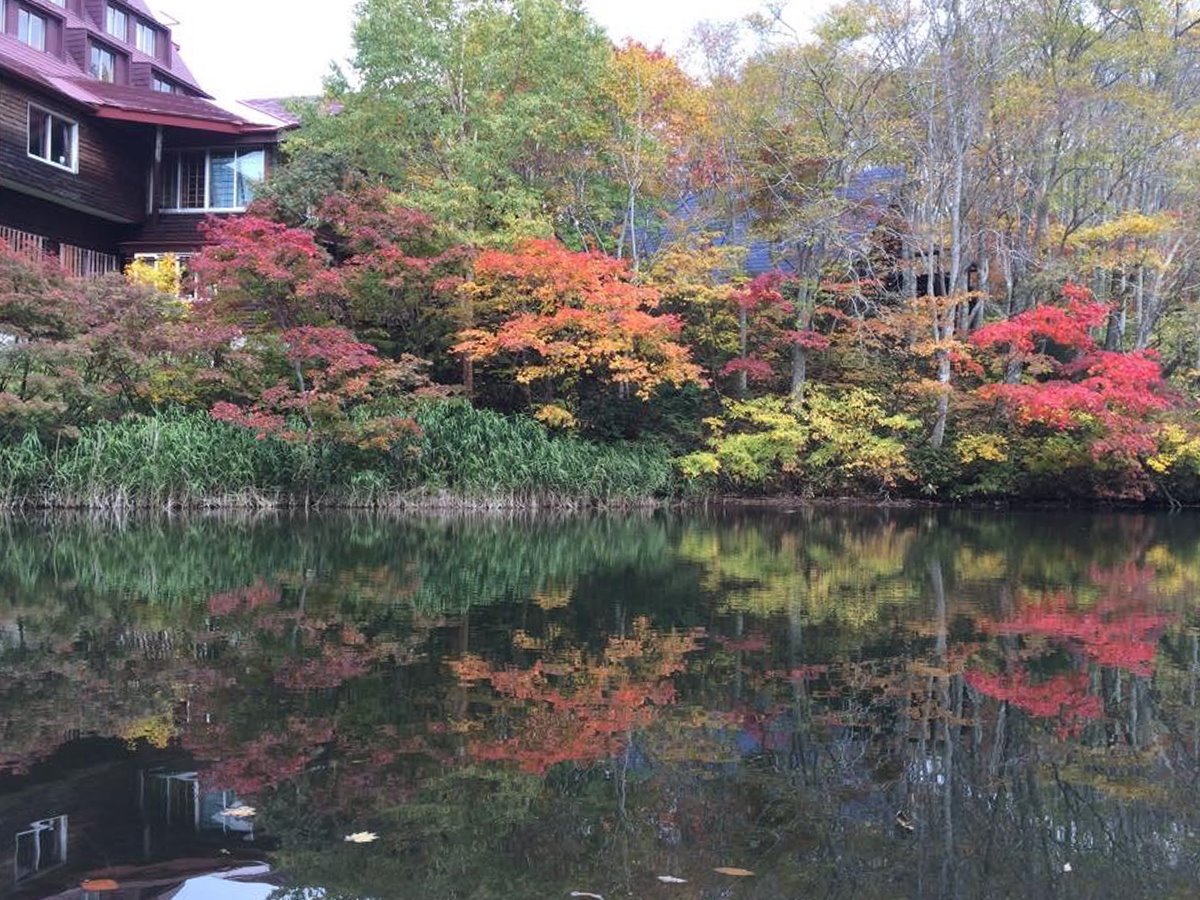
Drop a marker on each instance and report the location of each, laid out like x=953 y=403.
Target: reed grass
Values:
x=465 y=458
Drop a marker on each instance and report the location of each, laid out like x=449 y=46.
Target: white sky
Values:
x=245 y=49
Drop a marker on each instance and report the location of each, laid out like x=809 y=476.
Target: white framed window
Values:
x=116 y=22
x=53 y=139
x=31 y=29
x=146 y=38
x=62 y=3
x=211 y=180
x=102 y=63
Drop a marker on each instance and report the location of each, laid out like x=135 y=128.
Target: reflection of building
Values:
x=43 y=846
x=97 y=811
x=179 y=800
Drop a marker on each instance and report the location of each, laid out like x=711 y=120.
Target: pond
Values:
x=751 y=704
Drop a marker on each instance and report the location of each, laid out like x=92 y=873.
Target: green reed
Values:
x=463 y=457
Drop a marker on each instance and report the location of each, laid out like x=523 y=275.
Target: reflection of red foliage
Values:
x=799 y=674
x=258 y=594
x=1064 y=697
x=333 y=667
x=580 y=711
x=268 y=759
x=1106 y=633
x=343 y=656
x=751 y=643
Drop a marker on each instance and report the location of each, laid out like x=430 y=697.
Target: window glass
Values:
x=168 y=192
x=103 y=64
x=163 y=86
x=221 y=182
x=31 y=29
x=211 y=179
x=39 y=123
x=62 y=142
x=191 y=180
x=250 y=172
x=52 y=138
x=147 y=39
x=117 y=23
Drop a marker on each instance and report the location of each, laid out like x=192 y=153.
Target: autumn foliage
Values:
x=1070 y=384
x=577 y=709
x=564 y=323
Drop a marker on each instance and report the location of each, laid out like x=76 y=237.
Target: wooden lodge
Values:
x=109 y=149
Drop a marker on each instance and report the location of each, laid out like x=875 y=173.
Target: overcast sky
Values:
x=243 y=49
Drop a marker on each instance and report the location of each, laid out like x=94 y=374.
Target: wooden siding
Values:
x=76 y=47
x=168 y=233
x=141 y=74
x=41 y=217
x=94 y=10
x=114 y=159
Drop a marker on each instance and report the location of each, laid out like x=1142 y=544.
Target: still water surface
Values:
x=866 y=704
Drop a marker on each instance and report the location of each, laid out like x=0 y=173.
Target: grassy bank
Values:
x=464 y=457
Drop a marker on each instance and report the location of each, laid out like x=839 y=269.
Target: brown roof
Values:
x=140 y=105
x=134 y=104
x=279 y=107
x=174 y=67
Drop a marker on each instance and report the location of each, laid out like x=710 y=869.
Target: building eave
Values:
x=172 y=121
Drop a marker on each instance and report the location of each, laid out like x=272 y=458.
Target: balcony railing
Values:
x=77 y=261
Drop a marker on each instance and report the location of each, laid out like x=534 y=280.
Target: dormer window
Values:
x=31 y=29
x=117 y=22
x=146 y=38
x=163 y=86
x=102 y=63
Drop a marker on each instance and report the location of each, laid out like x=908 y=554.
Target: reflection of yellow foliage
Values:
x=522 y=640
x=1128 y=786
x=849 y=579
x=156 y=731
x=1173 y=577
x=553 y=598
x=974 y=565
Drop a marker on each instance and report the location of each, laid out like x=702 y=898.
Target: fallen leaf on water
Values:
x=586 y=894
x=734 y=871
x=362 y=837
x=671 y=879
x=1066 y=867
x=241 y=812
x=99 y=884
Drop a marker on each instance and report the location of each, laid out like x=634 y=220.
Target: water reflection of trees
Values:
x=522 y=707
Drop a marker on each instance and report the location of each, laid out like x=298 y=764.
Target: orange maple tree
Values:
x=554 y=319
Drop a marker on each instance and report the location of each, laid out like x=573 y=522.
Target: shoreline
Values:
x=450 y=502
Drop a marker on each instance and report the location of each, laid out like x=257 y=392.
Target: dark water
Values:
x=847 y=705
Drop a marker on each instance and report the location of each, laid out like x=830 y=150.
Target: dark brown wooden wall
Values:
x=114 y=158
x=61 y=225
x=168 y=232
